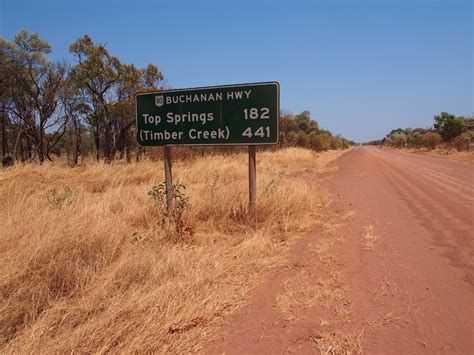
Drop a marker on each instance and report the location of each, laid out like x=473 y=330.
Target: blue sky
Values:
x=360 y=67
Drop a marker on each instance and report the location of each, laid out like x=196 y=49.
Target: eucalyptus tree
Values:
x=34 y=88
x=132 y=81
x=96 y=72
x=448 y=125
x=77 y=113
x=108 y=87
x=305 y=123
x=7 y=69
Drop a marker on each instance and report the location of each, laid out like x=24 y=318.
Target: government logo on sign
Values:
x=159 y=101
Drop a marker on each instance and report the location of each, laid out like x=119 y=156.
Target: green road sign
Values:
x=246 y=114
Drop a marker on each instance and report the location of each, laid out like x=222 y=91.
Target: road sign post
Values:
x=252 y=178
x=168 y=179
x=244 y=114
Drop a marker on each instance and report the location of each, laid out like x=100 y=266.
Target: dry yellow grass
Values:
x=338 y=343
x=301 y=293
x=370 y=237
x=86 y=267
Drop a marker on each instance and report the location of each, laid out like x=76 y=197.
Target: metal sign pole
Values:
x=168 y=180
x=252 y=178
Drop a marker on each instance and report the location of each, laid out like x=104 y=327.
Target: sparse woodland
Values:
x=53 y=110
x=50 y=108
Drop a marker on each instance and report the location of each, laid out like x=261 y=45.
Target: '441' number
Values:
x=259 y=132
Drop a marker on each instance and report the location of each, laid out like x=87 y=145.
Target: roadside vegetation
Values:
x=91 y=260
x=91 y=263
x=303 y=131
x=70 y=111
x=449 y=132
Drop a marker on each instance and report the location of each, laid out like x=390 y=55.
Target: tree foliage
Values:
x=448 y=126
x=449 y=129
x=31 y=94
x=303 y=131
x=107 y=87
x=50 y=107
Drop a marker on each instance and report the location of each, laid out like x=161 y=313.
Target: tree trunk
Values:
x=128 y=153
x=77 y=150
x=108 y=143
x=22 y=151
x=122 y=144
x=5 y=149
x=97 y=139
x=29 y=148
x=40 y=147
x=108 y=149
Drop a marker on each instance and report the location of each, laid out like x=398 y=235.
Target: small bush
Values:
x=400 y=140
x=431 y=140
x=60 y=199
x=320 y=142
x=463 y=141
x=173 y=223
x=417 y=140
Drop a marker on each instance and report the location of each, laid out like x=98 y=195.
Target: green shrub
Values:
x=172 y=222
x=417 y=139
x=400 y=140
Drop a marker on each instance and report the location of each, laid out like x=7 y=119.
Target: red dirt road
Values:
x=388 y=270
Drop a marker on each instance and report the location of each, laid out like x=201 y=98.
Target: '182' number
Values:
x=254 y=113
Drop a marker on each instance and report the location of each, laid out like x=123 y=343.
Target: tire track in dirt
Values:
x=446 y=204
x=451 y=184
x=446 y=179
x=450 y=199
x=422 y=194
x=427 y=211
x=458 y=168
